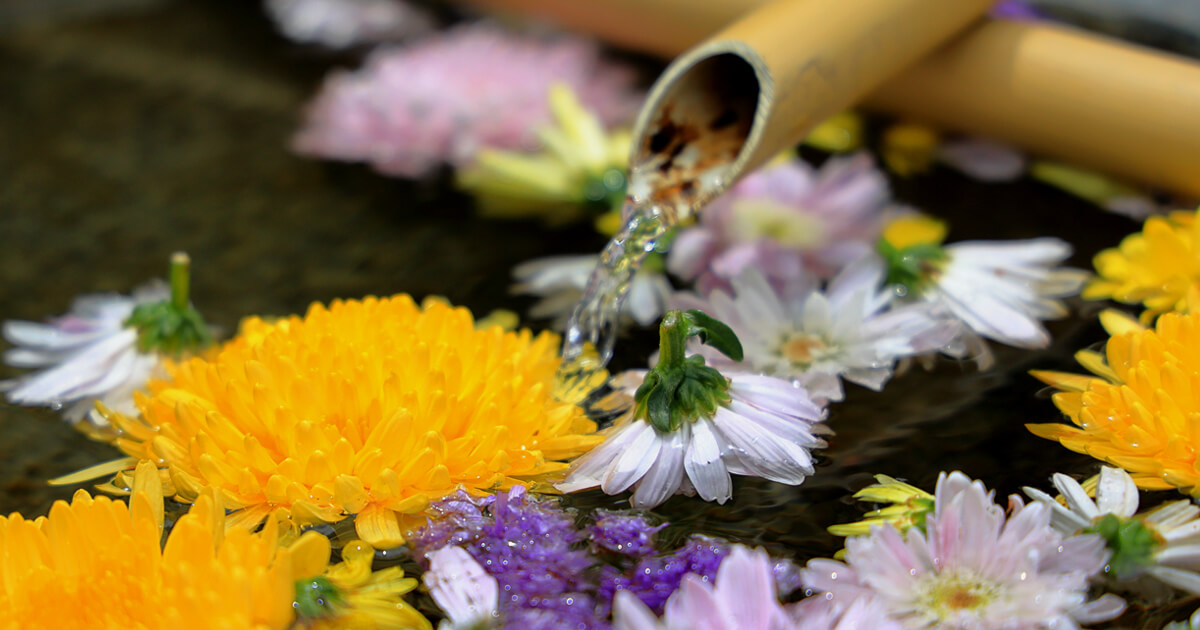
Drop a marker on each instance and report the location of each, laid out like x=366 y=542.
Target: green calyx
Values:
x=911 y=267
x=316 y=597
x=604 y=191
x=680 y=388
x=172 y=326
x=1132 y=544
x=920 y=509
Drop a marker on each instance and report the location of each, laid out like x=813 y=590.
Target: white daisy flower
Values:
x=1169 y=548
x=87 y=356
x=103 y=350
x=560 y=281
x=852 y=330
x=1001 y=290
x=463 y=589
x=766 y=429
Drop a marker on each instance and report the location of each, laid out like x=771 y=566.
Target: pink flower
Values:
x=785 y=220
x=411 y=109
x=822 y=613
x=741 y=598
x=972 y=567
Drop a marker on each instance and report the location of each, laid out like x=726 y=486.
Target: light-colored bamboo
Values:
x=1084 y=98
x=760 y=85
x=1098 y=103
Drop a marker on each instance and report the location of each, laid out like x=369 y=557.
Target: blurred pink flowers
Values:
x=411 y=109
x=787 y=220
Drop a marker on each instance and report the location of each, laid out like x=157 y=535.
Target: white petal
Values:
x=1076 y=496
x=664 y=477
x=631 y=465
x=1179 y=578
x=1116 y=492
x=704 y=466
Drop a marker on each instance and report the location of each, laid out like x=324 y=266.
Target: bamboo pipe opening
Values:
x=701 y=124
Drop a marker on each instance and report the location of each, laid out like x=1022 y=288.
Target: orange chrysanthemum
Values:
x=1158 y=267
x=1142 y=409
x=371 y=408
x=96 y=564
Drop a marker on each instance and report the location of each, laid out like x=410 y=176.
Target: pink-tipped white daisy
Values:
x=692 y=428
x=742 y=597
x=409 y=110
x=1001 y=290
x=1163 y=543
x=102 y=351
x=972 y=567
x=343 y=23
x=559 y=282
x=464 y=591
x=87 y=356
x=851 y=331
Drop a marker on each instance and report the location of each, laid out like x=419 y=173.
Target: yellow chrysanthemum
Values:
x=1142 y=409
x=909 y=148
x=1158 y=267
x=370 y=408
x=96 y=564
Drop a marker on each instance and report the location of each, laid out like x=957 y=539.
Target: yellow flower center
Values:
x=949 y=596
x=758 y=219
x=803 y=349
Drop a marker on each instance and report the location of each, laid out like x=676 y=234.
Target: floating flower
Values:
x=851 y=331
x=96 y=563
x=106 y=348
x=741 y=598
x=580 y=171
x=560 y=282
x=971 y=567
x=463 y=590
x=1164 y=543
x=909 y=507
x=552 y=572
x=349 y=594
x=999 y=289
x=1158 y=267
x=692 y=427
x=1137 y=411
x=787 y=220
x=343 y=23
x=411 y=109
x=370 y=407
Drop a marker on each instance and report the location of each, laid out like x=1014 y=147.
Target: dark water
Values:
x=128 y=135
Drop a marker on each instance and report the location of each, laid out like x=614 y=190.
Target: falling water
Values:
x=593 y=326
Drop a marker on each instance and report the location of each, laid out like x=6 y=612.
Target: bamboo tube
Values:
x=1085 y=98
x=760 y=85
x=1098 y=103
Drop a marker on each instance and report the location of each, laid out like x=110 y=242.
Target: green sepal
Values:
x=909 y=267
x=162 y=327
x=921 y=509
x=715 y=333
x=605 y=191
x=316 y=597
x=1132 y=544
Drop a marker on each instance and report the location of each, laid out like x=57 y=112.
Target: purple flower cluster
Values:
x=552 y=573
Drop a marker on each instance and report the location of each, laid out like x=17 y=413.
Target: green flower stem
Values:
x=681 y=388
x=672 y=340
x=181 y=265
